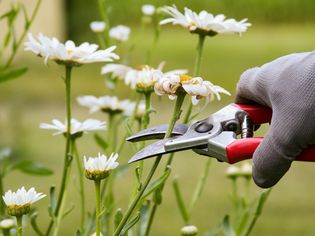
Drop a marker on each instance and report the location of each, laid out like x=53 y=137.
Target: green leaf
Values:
x=52 y=198
x=9 y=74
x=100 y=142
x=118 y=217
x=78 y=233
x=227 y=227
x=215 y=231
x=180 y=201
x=144 y=212
x=261 y=201
x=157 y=183
x=34 y=224
x=32 y=168
x=200 y=185
x=130 y=224
x=67 y=212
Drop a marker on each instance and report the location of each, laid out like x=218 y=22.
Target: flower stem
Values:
x=130 y=123
x=103 y=11
x=175 y=116
x=2 y=206
x=19 y=225
x=199 y=50
x=28 y=24
x=81 y=185
x=67 y=158
x=98 y=206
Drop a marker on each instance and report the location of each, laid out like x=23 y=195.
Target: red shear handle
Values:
x=258 y=114
x=242 y=149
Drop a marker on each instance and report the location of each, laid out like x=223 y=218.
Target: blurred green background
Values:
x=279 y=27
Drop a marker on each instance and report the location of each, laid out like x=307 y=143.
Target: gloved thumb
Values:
x=273 y=157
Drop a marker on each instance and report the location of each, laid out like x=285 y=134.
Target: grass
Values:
x=38 y=97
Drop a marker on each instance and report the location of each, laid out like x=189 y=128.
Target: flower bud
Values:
x=189 y=230
x=7 y=224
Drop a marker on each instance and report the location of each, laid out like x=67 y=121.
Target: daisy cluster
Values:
x=148 y=79
x=68 y=53
x=204 y=22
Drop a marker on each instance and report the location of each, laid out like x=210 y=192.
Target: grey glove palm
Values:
x=287 y=85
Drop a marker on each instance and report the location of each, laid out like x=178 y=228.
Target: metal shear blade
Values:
x=157 y=132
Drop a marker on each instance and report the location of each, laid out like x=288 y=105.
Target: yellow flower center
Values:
x=184 y=78
x=69 y=52
x=141 y=67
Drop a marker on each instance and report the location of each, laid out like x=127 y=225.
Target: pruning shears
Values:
x=226 y=135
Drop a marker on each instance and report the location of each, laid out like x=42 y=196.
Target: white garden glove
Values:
x=287 y=86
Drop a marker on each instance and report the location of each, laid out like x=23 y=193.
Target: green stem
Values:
x=26 y=28
x=200 y=186
x=2 y=206
x=81 y=185
x=98 y=206
x=175 y=117
x=110 y=134
x=19 y=225
x=67 y=157
x=101 y=40
x=131 y=122
x=199 y=50
x=6 y=232
x=103 y=11
x=146 y=117
x=176 y=112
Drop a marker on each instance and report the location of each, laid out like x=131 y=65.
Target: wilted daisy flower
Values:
x=189 y=230
x=68 y=53
x=120 y=33
x=204 y=23
x=97 y=26
x=148 y=9
x=19 y=202
x=97 y=168
x=233 y=172
x=77 y=127
x=106 y=104
x=194 y=86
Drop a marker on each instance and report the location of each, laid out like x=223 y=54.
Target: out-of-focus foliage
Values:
x=81 y=12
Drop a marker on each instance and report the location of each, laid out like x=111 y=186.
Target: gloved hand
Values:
x=287 y=85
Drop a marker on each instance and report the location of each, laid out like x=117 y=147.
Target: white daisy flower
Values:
x=204 y=22
x=19 y=202
x=77 y=127
x=246 y=169
x=68 y=53
x=97 y=26
x=105 y=104
x=140 y=111
x=194 y=86
x=233 y=172
x=97 y=168
x=148 y=9
x=118 y=71
x=142 y=78
x=120 y=33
